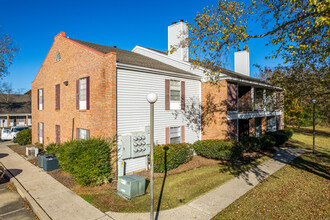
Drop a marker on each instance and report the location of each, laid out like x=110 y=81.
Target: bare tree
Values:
x=8 y=51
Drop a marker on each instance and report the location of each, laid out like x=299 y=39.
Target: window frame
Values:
x=174 y=103
x=177 y=134
x=41 y=99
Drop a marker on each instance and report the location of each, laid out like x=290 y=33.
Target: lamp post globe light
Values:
x=152 y=98
x=314 y=102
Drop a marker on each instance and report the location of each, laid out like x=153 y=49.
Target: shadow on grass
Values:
x=309 y=132
x=162 y=188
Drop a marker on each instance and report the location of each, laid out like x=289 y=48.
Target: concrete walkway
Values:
x=49 y=199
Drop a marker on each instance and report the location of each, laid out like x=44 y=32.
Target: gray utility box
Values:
x=41 y=158
x=134 y=145
x=50 y=163
x=131 y=186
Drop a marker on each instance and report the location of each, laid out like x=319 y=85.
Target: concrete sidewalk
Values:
x=49 y=199
x=213 y=202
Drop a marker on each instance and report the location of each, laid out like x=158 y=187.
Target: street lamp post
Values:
x=152 y=98
x=314 y=101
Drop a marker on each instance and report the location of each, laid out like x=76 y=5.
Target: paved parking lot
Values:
x=12 y=205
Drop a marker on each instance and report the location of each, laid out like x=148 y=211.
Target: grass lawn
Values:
x=171 y=191
x=300 y=190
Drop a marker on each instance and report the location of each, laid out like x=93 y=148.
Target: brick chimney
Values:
x=242 y=62
x=177 y=34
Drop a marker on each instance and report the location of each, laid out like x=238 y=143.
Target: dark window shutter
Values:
x=38 y=130
x=183 y=95
x=77 y=94
x=43 y=104
x=77 y=133
x=167 y=135
x=87 y=92
x=183 y=134
x=87 y=134
x=58 y=134
x=167 y=94
x=57 y=97
x=38 y=99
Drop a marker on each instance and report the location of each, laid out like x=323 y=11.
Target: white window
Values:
x=175 y=135
x=83 y=94
x=83 y=134
x=58 y=57
x=41 y=104
x=41 y=128
x=21 y=121
x=175 y=94
x=271 y=123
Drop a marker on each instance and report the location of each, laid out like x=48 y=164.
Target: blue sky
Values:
x=33 y=24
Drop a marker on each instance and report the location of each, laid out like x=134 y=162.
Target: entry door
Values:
x=243 y=126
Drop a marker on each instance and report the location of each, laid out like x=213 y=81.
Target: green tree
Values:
x=299 y=30
x=8 y=50
x=301 y=86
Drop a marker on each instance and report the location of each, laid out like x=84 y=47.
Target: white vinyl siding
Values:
x=133 y=109
x=175 y=135
x=175 y=95
x=83 y=94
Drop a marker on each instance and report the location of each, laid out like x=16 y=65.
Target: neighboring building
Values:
x=85 y=89
x=15 y=110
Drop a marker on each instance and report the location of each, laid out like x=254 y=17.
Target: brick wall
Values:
x=214 y=110
x=76 y=62
x=264 y=125
x=252 y=127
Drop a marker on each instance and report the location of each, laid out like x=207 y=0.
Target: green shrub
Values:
x=250 y=144
x=280 y=136
x=173 y=154
x=24 y=137
x=89 y=161
x=266 y=142
x=218 y=149
x=287 y=132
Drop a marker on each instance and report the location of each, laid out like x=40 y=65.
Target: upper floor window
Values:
x=40 y=99
x=174 y=94
x=82 y=96
x=58 y=56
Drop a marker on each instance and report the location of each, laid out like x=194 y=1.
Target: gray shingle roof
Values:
x=223 y=70
x=131 y=58
x=15 y=104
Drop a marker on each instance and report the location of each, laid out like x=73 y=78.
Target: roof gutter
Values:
x=156 y=71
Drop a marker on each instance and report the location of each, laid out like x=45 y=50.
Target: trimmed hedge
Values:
x=266 y=142
x=250 y=144
x=218 y=149
x=89 y=161
x=170 y=156
x=24 y=137
x=281 y=136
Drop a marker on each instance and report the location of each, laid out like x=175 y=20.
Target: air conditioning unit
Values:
x=131 y=186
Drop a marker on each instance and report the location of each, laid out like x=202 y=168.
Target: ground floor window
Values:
x=82 y=134
x=258 y=127
x=41 y=132
x=175 y=135
x=271 y=123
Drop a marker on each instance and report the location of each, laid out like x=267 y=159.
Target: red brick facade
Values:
x=77 y=61
x=214 y=110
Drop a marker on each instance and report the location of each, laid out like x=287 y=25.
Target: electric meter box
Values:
x=131 y=186
x=136 y=144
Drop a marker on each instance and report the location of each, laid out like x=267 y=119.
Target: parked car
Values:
x=10 y=133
